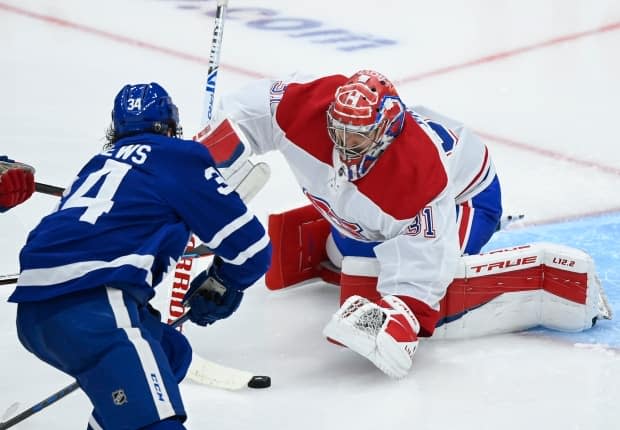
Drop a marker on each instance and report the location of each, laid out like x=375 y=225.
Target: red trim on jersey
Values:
x=302 y=115
x=408 y=176
x=465 y=216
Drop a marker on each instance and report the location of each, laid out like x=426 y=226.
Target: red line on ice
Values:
x=510 y=53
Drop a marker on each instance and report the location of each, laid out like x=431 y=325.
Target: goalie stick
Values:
x=203 y=371
x=214 y=62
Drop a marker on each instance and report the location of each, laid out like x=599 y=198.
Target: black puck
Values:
x=260 y=382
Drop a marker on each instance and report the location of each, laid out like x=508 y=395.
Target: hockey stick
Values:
x=38 y=407
x=241 y=164
x=48 y=189
x=214 y=62
x=8 y=279
x=206 y=372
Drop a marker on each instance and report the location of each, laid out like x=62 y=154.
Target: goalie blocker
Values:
x=500 y=291
x=230 y=151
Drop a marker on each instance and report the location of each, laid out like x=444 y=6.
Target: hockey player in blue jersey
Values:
x=89 y=269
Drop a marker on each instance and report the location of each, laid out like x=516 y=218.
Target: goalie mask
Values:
x=143 y=108
x=364 y=118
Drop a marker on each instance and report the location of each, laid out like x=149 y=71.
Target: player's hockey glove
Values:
x=210 y=299
x=385 y=332
x=16 y=183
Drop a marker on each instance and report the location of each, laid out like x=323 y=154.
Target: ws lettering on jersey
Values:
x=143 y=197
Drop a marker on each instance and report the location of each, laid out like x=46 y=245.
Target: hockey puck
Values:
x=260 y=382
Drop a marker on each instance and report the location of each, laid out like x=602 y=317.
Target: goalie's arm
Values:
x=252 y=109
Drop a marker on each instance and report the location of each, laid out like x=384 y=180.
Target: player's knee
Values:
x=178 y=350
x=129 y=389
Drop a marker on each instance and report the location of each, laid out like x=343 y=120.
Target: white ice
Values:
x=549 y=112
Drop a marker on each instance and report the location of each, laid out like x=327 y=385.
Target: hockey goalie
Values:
x=500 y=291
x=398 y=195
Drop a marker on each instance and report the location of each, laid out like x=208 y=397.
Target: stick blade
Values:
x=215 y=375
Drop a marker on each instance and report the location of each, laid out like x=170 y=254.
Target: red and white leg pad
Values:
x=384 y=332
x=298 y=247
x=514 y=289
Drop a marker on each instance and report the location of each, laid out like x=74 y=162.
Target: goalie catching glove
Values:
x=385 y=332
x=210 y=299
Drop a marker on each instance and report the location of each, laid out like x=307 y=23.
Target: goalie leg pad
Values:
x=298 y=246
x=515 y=289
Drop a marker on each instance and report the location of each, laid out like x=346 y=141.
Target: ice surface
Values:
x=539 y=79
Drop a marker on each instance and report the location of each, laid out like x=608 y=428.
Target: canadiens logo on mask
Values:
x=364 y=118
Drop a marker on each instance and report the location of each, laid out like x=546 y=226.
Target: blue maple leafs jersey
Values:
x=127 y=217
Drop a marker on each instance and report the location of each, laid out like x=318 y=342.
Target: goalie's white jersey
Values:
x=406 y=201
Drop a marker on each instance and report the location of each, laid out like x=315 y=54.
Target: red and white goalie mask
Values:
x=364 y=118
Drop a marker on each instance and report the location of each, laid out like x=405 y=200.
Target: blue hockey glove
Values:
x=210 y=300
